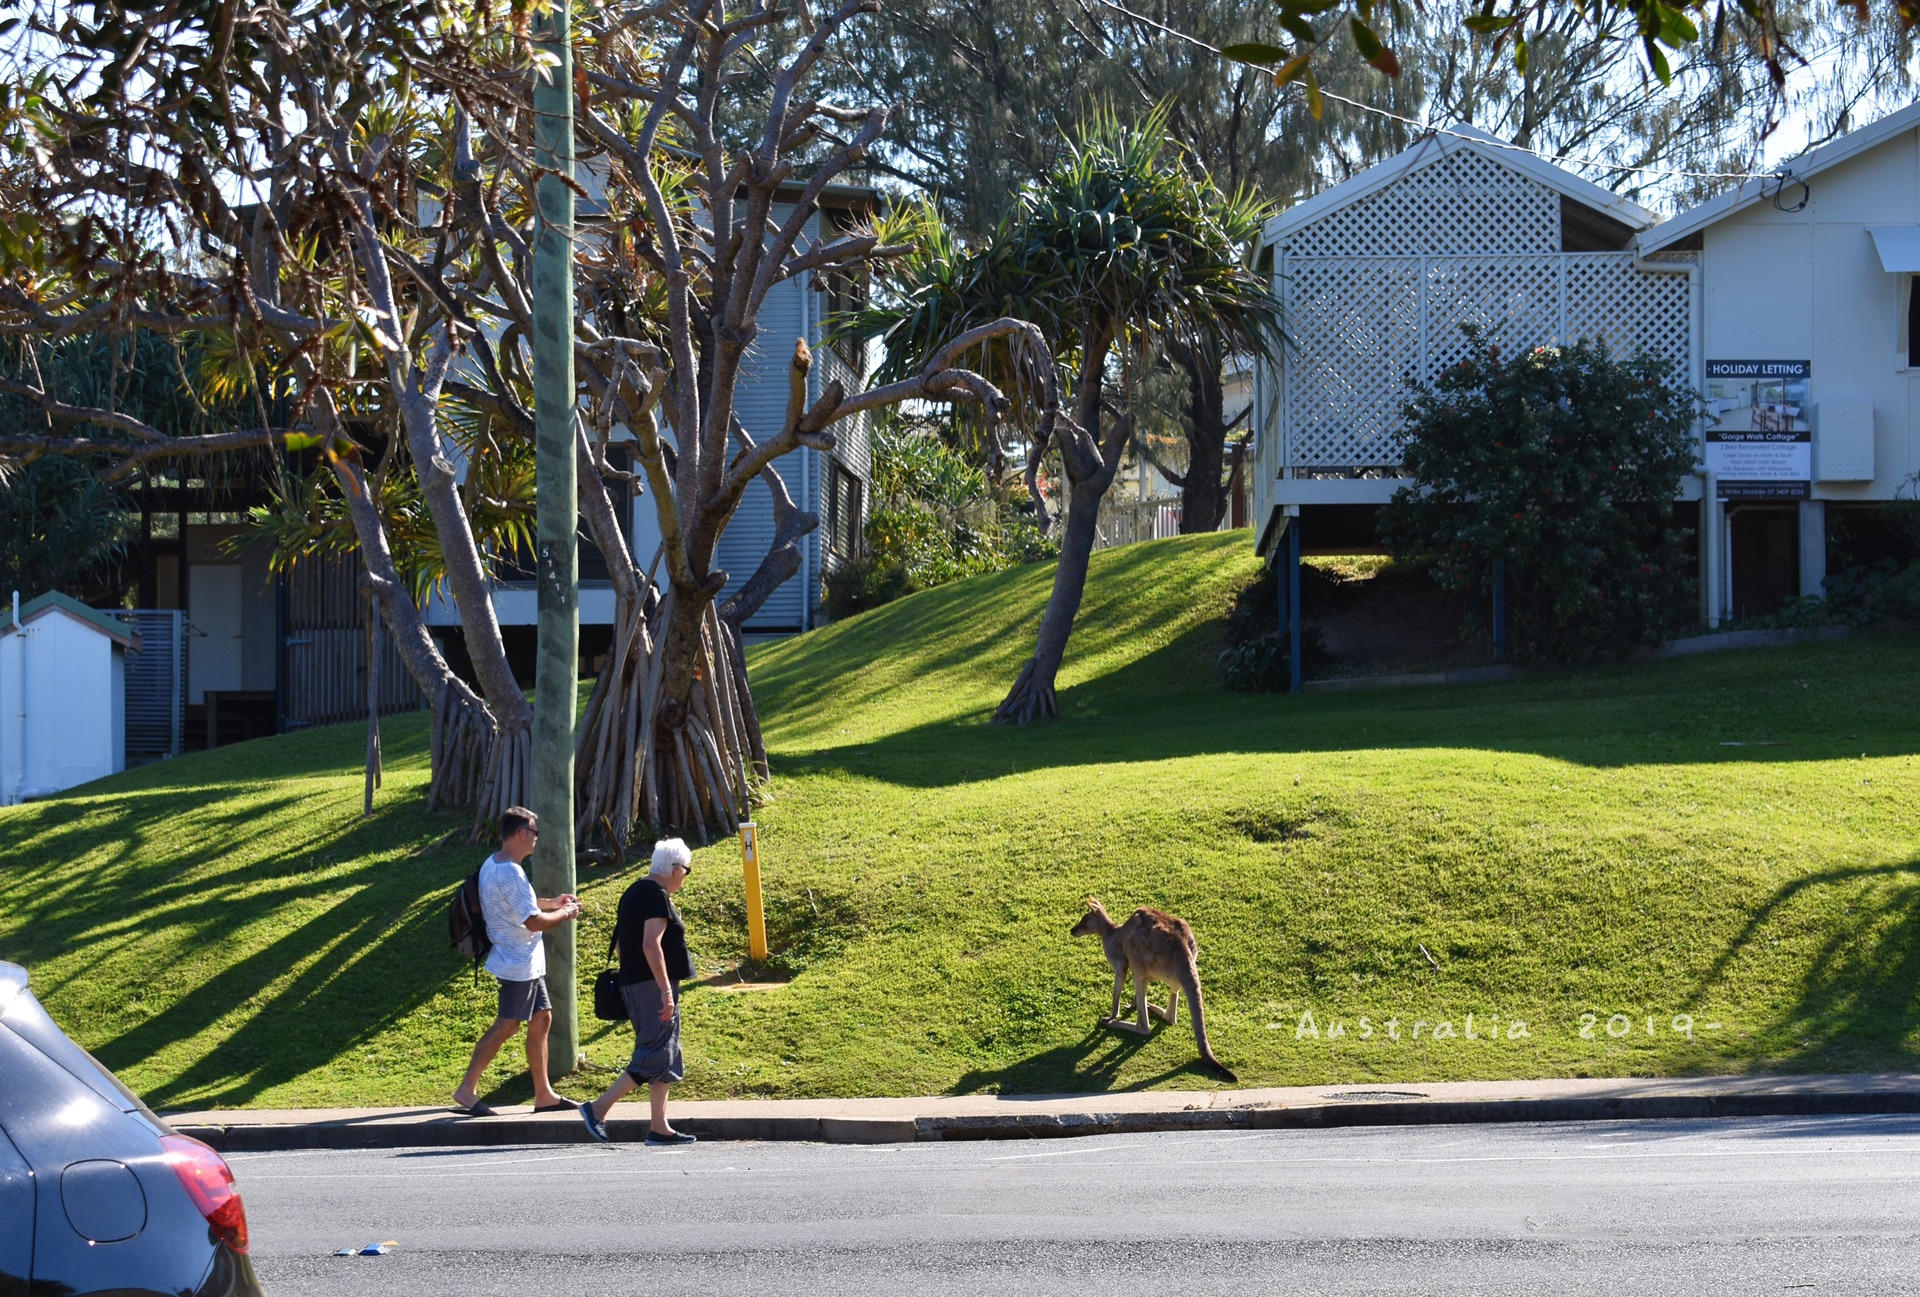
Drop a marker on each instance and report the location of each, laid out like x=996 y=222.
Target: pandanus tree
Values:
x=1125 y=244
x=336 y=198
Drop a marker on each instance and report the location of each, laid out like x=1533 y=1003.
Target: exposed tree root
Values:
x=475 y=762
x=669 y=766
x=1030 y=699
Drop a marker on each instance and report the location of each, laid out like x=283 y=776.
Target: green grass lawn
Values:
x=1731 y=839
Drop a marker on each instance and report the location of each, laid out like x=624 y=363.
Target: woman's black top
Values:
x=645 y=900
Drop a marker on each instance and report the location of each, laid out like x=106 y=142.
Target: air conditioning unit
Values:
x=1843 y=441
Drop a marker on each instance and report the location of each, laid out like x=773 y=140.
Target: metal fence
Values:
x=156 y=703
x=1122 y=522
x=325 y=669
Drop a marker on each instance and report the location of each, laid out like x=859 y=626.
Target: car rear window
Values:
x=27 y=1020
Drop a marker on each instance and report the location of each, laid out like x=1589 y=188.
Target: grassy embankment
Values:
x=1733 y=838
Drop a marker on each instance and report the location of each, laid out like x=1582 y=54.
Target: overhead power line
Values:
x=1431 y=129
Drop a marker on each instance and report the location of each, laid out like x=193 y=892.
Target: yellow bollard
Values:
x=756 y=916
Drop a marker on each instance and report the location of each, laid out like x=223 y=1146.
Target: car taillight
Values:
x=208 y=1180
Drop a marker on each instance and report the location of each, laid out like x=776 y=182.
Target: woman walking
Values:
x=652 y=944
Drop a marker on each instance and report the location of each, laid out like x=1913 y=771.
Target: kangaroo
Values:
x=1155 y=947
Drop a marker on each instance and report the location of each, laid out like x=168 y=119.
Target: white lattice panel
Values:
x=1359 y=326
x=1609 y=300
x=1462 y=201
x=1354 y=327
x=1514 y=301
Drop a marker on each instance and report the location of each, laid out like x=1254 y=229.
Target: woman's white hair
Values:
x=670 y=854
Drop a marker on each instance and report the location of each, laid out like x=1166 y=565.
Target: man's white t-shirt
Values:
x=507 y=900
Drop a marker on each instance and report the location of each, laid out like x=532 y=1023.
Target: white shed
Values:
x=62 y=696
x=1377 y=275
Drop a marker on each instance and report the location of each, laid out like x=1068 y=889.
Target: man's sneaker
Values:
x=595 y=1127
x=658 y=1140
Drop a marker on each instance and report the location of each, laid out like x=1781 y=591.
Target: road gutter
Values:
x=980 y=1117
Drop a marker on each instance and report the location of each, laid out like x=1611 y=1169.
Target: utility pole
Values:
x=556 y=668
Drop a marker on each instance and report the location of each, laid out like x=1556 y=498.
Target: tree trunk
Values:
x=504 y=782
x=656 y=758
x=373 y=704
x=664 y=749
x=1032 y=697
x=463 y=746
x=1088 y=462
x=1203 y=495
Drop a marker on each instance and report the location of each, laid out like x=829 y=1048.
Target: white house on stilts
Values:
x=1790 y=304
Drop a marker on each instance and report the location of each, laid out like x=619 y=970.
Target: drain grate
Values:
x=1372 y=1096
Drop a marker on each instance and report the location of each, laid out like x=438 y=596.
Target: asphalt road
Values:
x=1823 y=1205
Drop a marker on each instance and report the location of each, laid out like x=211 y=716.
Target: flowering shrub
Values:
x=1564 y=462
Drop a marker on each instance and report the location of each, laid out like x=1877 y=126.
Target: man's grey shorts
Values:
x=521 y=1000
x=656 y=1044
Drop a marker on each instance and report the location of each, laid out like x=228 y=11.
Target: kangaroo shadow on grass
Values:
x=1857 y=1003
x=1092 y=1063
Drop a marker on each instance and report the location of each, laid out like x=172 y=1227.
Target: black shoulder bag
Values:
x=608 y=1004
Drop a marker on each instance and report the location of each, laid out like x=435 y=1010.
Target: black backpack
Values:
x=467 y=922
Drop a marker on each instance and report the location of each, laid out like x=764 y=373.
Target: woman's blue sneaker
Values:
x=655 y=1138
x=595 y=1127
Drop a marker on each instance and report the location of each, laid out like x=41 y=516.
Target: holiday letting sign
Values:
x=1759 y=442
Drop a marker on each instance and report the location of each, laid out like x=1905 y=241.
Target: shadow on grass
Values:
x=363 y=974
x=1090 y=1064
x=1814 y=703
x=334 y=938
x=323 y=752
x=1858 y=1002
x=954 y=649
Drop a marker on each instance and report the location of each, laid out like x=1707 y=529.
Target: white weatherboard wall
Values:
x=761 y=401
x=1809 y=285
x=62 y=700
x=1820 y=266
x=793 y=310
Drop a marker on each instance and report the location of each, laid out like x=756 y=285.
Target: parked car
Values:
x=98 y=1195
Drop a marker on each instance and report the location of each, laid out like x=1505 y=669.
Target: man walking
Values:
x=515 y=919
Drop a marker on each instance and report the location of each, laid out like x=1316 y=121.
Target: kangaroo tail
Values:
x=1199 y=1015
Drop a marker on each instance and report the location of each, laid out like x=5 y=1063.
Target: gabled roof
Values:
x=1805 y=167
x=1431 y=147
x=53 y=601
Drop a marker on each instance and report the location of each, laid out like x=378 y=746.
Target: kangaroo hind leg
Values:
x=1143 y=1021
x=1170 y=1014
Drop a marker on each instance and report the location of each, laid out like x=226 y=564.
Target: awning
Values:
x=1899 y=248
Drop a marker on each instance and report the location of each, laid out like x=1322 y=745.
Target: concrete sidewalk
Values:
x=892 y=1121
